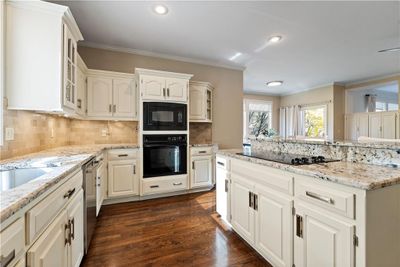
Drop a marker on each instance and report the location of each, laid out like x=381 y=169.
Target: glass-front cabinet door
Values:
x=70 y=65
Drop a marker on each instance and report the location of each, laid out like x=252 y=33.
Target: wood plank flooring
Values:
x=175 y=231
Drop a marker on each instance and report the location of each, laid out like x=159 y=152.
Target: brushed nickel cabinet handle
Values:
x=255 y=201
x=193 y=166
x=250 y=199
x=115 y=108
x=319 y=197
x=134 y=169
x=73 y=228
x=168 y=92
x=5 y=261
x=110 y=108
x=220 y=163
x=154 y=186
x=177 y=183
x=122 y=155
x=226 y=185
x=202 y=152
x=163 y=91
x=69 y=193
x=299 y=226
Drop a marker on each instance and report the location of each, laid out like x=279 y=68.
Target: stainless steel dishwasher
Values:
x=89 y=187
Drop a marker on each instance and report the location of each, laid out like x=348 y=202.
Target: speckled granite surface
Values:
x=358 y=175
x=202 y=145
x=66 y=159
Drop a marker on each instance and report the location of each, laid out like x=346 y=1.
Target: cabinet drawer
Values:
x=201 y=151
x=43 y=213
x=270 y=177
x=12 y=242
x=222 y=163
x=161 y=185
x=337 y=201
x=122 y=154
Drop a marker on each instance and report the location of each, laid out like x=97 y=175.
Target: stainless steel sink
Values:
x=13 y=178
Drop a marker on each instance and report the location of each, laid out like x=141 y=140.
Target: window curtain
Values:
x=289 y=121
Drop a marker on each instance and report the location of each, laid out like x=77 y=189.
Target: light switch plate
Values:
x=104 y=132
x=9 y=134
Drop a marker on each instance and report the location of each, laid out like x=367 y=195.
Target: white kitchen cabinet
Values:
x=389 y=125
x=222 y=181
x=322 y=240
x=357 y=124
x=51 y=249
x=101 y=181
x=12 y=242
x=273 y=226
x=99 y=92
x=201 y=171
x=111 y=95
x=241 y=208
x=75 y=222
x=375 y=125
x=41 y=58
x=176 y=89
x=200 y=102
x=153 y=87
x=81 y=83
x=124 y=98
x=162 y=86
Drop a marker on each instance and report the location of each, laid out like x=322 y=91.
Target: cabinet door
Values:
x=201 y=172
x=324 y=241
x=75 y=218
x=152 y=87
x=70 y=69
x=197 y=103
x=351 y=127
x=362 y=124
x=273 y=226
x=81 y=92
x=389 y=122
x=101 y=188
x=122 y=178
x=222 y=192
x=99 y=100
x=51 y=248
x=242 y=214
x=375 y=125
x=177 y=89
x=124 y=98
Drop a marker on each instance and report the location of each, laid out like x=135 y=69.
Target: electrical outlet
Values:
x=9 y=134
x=52 y=132
x=104 y=132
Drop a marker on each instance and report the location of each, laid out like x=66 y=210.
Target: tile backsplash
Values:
x=200 y=133
x=34 y=132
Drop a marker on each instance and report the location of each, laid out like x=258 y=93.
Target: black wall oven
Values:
x=164 y=155
x=164 y=116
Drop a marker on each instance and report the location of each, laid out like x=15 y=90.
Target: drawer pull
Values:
x=202 y=152
x=69 y=193
x=177 y=183
x=5 y=261
x=220 y=163
x=122 y=155
x=72 y=228
x=154 y=186
x=319 y=197
x=226 y=185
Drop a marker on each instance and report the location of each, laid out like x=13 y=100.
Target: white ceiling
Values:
x=323 y=42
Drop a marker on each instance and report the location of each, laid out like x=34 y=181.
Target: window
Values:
x=257 y=118
x=384 y=106
x=314 y=121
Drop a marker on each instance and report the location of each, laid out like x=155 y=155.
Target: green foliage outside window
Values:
x=314 y=123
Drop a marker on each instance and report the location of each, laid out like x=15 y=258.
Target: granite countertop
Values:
x=202 y=145
x=66 y=160
x=358 y=175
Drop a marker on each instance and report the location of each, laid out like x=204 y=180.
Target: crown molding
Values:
x=159 y=55
x=140 y=71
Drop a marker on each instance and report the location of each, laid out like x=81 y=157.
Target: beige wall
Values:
x=275 y=106
x=227 y=96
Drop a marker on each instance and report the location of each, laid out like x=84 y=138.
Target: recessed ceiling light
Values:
x=395 y=49
x=160 y=9
x=235 y=56
x=275 y=39
x=274 y=83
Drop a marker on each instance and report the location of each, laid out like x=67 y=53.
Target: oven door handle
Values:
x=162 y=145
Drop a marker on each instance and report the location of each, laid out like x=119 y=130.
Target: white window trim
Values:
x=246 y=104
x=301 y=124
x=2 y=67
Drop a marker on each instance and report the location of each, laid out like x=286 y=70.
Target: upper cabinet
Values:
x=162 y=85
x=42 y=58
x=81 y=82
x=111 y=95
x=200 y=102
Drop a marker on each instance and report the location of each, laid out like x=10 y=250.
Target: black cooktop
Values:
x=287 y=158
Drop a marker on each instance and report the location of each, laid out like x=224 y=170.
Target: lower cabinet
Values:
x=273 y=226
x=101 y=183
x=322 y=240
x=201 y=172
x=222 y=181
x=123 y=178
x=62 y=242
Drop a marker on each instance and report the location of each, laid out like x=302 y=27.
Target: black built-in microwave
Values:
x=159 y=116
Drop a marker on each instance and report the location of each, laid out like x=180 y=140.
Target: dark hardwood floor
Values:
x=175 y=231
